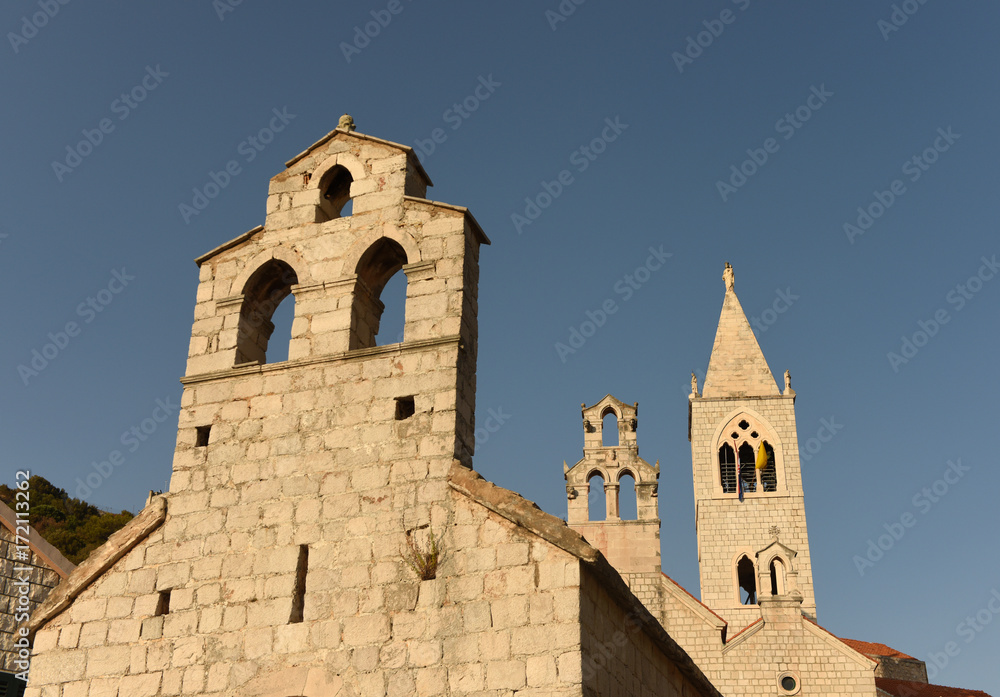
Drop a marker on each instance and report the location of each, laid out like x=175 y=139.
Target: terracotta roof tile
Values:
x=907 y=688
x=872 y=649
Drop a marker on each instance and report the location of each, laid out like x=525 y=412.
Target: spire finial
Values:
x=346 y=123
x=728 y=277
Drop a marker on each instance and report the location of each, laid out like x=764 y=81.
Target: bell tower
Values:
x=749 y=506
x=343 y=217
x=610 y=459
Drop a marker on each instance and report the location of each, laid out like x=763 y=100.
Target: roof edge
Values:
x=838 y=643
x=100 y=560
x=476 y=227
x=527 y=514
x=227 y=245
x=354 y=134
x=520 y=511
x=685 y=596
x=37 y=544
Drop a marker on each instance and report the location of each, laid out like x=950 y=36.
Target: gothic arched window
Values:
x=746 y=576
x=741 y=445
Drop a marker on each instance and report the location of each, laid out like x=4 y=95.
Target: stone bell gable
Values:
x=324 y=534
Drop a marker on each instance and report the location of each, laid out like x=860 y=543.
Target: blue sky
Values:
x=836 y=97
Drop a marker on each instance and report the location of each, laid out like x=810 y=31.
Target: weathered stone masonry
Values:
x=275 y=565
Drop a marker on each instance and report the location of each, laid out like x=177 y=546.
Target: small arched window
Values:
x=264 y=291
x=377 y=265
x=609 y=428
x=335 y=193
x=628 y=503
x=597 y=504
x=746 y=576
x=777 y=577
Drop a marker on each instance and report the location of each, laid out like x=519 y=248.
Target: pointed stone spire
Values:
x=737 y=367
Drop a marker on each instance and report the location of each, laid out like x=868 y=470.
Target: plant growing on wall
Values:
x=423 y=563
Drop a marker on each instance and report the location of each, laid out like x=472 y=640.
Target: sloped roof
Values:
x=872 y=649
x=101 y=559
x=691 y=595
x=908 y=688
x=528 y=515
x=737 y=367
x=52 y=557
x=362 y=136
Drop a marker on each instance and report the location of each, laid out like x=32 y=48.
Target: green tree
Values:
x=74 y=527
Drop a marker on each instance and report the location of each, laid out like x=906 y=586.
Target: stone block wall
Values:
x=508 y=612
x=753 y=663
x=619 y=659
x=41 y=580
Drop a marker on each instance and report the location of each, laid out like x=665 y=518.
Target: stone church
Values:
x=325 y=535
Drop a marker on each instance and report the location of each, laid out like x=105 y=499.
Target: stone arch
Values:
x=343 y=159
x=380 y=262
x=404 y=239
x=627 y=512
x=610 y=410
x=778 y=571
x=605 y=480
x=265 y=289
x=286 y=254
x=766 y=432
